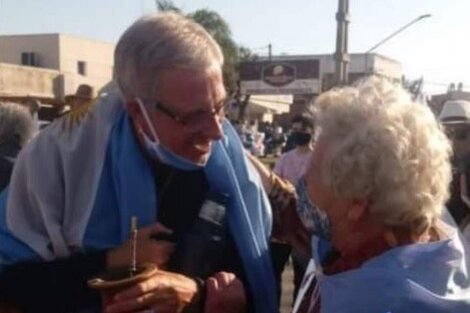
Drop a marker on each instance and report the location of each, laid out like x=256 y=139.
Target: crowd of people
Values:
x=360 y=195
x=262 y=139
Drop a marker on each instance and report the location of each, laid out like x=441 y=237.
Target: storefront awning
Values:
x=273 y=104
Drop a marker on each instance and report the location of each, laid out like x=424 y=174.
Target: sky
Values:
x=437 y=48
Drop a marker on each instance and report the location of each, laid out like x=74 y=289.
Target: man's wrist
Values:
x=198 y=301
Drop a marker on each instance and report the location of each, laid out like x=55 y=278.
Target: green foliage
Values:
x=166 y=5
x=215 y=25
x=219 y=29
x=245 y=54
x=414 y=87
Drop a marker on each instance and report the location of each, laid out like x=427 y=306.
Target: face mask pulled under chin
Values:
x=301 y=138
x=314 y=219
x=162 y=153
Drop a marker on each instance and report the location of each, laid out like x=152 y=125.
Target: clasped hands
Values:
x=169 y=292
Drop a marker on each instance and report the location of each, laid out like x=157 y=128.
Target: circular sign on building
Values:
x=282 y=77
x=278 y=75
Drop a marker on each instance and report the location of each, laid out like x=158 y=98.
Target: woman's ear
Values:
x=390 y=239
x=358 y=209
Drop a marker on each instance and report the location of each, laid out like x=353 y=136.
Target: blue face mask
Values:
x=314 y=219
x=162 y=153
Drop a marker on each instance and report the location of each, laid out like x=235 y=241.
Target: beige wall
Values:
x=359 y=65
x=59 y=52
x=98 y=56
x=18 y=80
x=364 y=63
x=46 y=46
x=387 y=67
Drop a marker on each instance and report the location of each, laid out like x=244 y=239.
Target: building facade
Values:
x=306 y=76
x=52 y=65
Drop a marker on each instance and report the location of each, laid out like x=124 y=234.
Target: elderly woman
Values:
x=16 y=128
x=376 y=189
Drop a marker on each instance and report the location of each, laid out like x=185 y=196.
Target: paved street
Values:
x=287 y=288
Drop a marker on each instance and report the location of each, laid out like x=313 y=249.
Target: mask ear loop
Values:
x=147 y=119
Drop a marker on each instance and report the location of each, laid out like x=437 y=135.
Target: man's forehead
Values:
x=181 y=88
x=190 y=74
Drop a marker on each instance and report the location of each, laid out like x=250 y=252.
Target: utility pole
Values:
x=270 y=48
x=341 y=55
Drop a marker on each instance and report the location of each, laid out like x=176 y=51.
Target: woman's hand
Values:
x=225 y=293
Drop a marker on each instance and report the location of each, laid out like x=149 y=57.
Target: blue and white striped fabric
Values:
x=76 y=191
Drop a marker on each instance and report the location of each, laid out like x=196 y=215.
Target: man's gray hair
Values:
x=161 y=41
x=16 y=127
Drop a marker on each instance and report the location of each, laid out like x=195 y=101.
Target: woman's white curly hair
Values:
x=385 y=148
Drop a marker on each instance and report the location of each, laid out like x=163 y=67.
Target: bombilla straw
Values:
x=133 y=264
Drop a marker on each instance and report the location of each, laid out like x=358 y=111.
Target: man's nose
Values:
x=214 y=128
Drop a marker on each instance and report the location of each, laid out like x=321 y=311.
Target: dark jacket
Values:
x=456 y=206
x=6 y=167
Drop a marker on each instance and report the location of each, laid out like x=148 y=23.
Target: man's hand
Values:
x=164 y=292
x=225 y=293
x=149 y=250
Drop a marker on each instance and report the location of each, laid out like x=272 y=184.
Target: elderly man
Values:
x=16 y=128
x=154 y=150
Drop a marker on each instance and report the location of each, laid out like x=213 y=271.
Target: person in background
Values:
x=156 y=148
x=258 y=148
x=34 y=105
x=82 y=97
x=16 y=129
x=291 y=166
x=277 y=141
x=455 y=116
x=296 y=124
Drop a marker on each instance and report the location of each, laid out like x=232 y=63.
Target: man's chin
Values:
x=201 y=158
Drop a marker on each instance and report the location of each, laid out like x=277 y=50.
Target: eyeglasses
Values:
x=196 y=121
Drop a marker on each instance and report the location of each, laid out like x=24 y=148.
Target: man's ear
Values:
x=358 y=209
x=135 y=113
